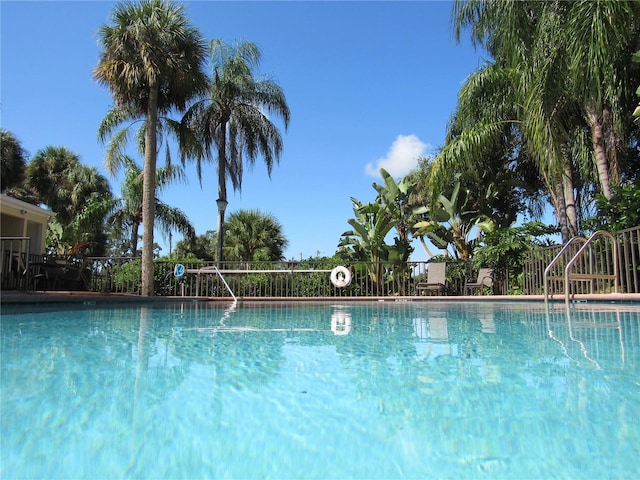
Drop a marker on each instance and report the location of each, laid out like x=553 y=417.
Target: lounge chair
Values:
x=485 y=279
x=436 y=279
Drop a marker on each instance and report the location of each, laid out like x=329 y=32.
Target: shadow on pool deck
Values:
x=13 y=296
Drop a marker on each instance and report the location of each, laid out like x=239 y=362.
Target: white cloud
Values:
x=402 y=157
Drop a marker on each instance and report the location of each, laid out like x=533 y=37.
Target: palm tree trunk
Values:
x=222 y=192
x=599 y=149
x=612 y=140
x=148 y=192
x=569 y=200
x=561 y=212
x=134 y=239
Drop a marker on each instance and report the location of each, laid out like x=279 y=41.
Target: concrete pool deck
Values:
x=13 y=297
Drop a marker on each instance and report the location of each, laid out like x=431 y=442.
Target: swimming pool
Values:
x=368 y=390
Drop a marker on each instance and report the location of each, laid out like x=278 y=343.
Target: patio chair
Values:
x=64 y=273
x=485 y=280
x=436 y=280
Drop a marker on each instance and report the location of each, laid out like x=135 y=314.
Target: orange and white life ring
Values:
x=340 y=277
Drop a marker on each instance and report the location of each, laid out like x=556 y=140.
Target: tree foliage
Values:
x=503 y=250
x=202 y=247
x=13 y=160
x=559 y=89
x=232 y=122
x=252 y=235
x=55 y=177
x=125 y=213
x=620 y=212
x=152 y=63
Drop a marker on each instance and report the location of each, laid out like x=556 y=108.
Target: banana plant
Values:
x=395 y=197
x=451 y=223
x=372 y=223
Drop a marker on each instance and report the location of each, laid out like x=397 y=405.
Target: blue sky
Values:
x=369 y=85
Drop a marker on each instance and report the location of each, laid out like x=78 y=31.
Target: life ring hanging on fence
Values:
x=179 y=271
x=340 y=277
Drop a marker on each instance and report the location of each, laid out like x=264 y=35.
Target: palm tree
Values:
x=62 y=183
x=570 y=81
x=56 y=178
x=202 y=247
x=253 y=235
x=126 y=213
x=152 y=62
x=130 y=215
x=489 y=142
x=233 y=120
x=420 y=198
x=501 y=107
x=602 y=38
x=13 y=158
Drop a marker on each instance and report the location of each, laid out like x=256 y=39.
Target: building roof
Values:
x=6 y=200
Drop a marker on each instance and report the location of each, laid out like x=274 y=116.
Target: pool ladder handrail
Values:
x=226 y=284
x=592 y=276
x=557 y=258
x=567 y=273
x=210 y=269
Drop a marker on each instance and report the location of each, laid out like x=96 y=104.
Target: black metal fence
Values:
x=21 y=270
x=14 y=263
x=263 y=279
x=310 y=279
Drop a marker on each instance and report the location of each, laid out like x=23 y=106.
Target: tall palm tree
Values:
x=569 y=61
x=601 y=39
x=485 y=146
x=233 y=119
x=13 y=159
x=126 y=212
x=253 y=235
x=152 y=62
x=493 y=113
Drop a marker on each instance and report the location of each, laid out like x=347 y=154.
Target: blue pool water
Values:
x=365 y=391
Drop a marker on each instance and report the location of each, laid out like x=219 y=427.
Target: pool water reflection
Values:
x=371 y=390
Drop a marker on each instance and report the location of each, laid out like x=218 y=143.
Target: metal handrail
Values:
x=199 y=271
x=225 y=284
x=599 y=233
x=556 y=260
